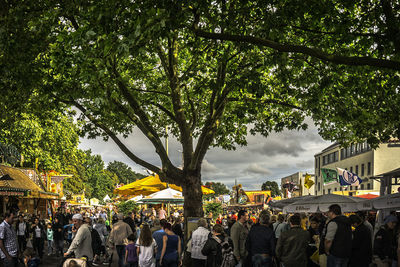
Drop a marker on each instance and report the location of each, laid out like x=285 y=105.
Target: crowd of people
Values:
x=150 y=238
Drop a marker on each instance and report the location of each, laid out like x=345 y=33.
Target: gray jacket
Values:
x=81 y=245
x=239 y=234
x=292 y=245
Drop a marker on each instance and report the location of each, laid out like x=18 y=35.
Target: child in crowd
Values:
x=131 y=259
x=49 y=233
x=29 y=258
x=73 y=263
x=146 y=248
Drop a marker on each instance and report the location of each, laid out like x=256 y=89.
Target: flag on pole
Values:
x=329 y=176
x=308 y=182
x=348 y=178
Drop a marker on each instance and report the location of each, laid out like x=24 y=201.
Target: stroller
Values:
x=82 y=262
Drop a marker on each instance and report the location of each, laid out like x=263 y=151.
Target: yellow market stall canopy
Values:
x=150 y=185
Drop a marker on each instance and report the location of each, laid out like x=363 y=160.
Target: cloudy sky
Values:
x=263 y=159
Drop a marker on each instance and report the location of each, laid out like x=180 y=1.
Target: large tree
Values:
x=127 y=64
x=124 y=64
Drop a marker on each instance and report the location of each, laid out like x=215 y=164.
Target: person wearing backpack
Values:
x=218 y=249
x=96 y=240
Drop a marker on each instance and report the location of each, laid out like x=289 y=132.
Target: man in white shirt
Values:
x=22 y=232
x=199 y=238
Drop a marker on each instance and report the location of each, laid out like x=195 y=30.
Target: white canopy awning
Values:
x=322 y=203
x=136 y=199
x=166 y=195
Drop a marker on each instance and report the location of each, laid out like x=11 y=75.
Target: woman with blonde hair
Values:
x=146 y=247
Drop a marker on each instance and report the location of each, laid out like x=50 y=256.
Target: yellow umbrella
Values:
x=149 y=185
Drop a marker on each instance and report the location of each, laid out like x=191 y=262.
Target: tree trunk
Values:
x=191 y=189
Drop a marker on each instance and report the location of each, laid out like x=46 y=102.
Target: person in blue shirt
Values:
x=68 y=231
x=158 y=237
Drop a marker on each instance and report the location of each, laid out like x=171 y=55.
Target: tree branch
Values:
x=115 y=138
x=165 y=110
x=267 y=101
x=393 y=32
x=314 y=52
x=144 y=123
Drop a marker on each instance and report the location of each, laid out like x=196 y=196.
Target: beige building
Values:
x=297 y=179
x=359 y=159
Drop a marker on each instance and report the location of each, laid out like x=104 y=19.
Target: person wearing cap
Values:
x=81 y=245
x=118 y=237
x=384 y=244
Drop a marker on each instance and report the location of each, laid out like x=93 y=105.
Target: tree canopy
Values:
x=339 y=59
x=52 y=141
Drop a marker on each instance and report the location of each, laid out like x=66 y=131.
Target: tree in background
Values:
x=219 y=188
x=124 y=172
x=127 y=207
x=9 y=154
x=273 y=187
x=215 y=208
x=90 y=175
x=52 y=141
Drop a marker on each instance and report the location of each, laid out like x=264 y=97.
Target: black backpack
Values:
x=96 y=241
x=228 y=259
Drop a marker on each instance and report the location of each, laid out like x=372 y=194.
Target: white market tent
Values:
x=136 y=198
x=280 y=204
x=168 y=195
x=322 y=203
x=106 y=198
x=391 y=201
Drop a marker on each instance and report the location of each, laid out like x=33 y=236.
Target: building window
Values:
x=357 y=169
x=351 y=169
x=324 y=192
x=369 y=168
x=335 y=189
x=336 y=156
x=362 y=186
x=368 y=186
x=319 y=186
x=342 y=153
x=329 y=191
x=351 y=188
x=362 y=169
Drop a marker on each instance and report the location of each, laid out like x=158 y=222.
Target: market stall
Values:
x=19 y=193
x=150 y=185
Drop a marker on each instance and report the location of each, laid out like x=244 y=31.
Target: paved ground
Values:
x=53 y=261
